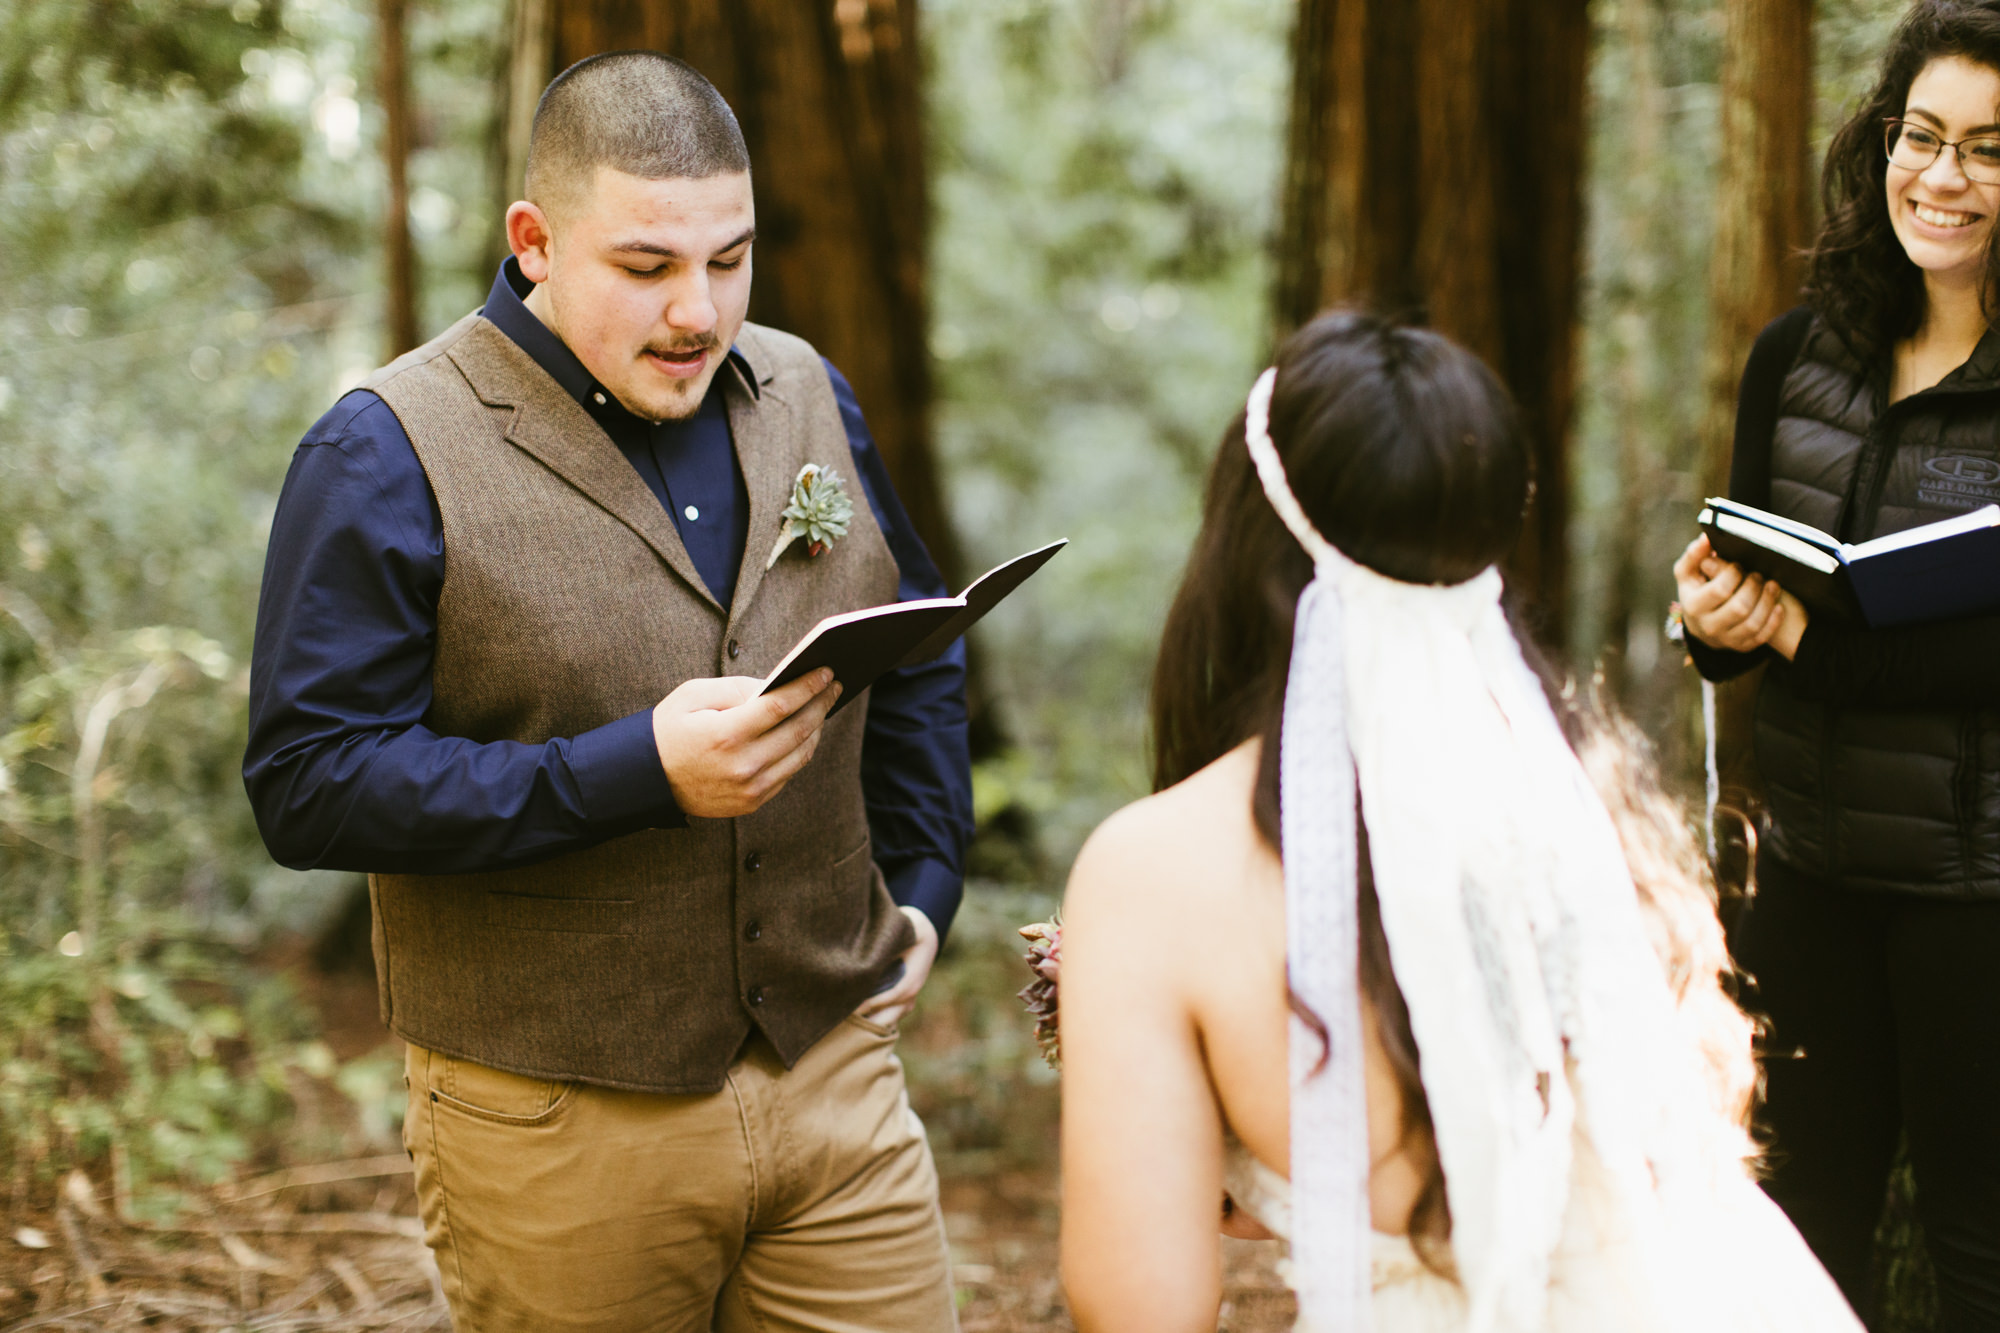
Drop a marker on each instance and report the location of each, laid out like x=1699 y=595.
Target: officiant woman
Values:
x=1874 y=934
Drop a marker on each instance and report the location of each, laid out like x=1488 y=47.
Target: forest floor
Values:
x=332 y=1246
x=347 y=1255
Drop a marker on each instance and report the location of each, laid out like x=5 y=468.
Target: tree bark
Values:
x=1631 y=590
x=1763 y=222
x=1763 y=193
x=1434 y=172
x=399 y=254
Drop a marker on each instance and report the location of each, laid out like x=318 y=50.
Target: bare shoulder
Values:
x=1175 y=853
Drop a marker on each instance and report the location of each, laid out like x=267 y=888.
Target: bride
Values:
x=1503 y=1089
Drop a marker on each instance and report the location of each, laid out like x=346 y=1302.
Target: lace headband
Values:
x=1531 y=988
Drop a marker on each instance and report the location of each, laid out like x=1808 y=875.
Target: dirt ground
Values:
x=336 y=1246
x=345 y=1255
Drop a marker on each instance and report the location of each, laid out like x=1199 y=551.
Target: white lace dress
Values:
x=1765 y=1278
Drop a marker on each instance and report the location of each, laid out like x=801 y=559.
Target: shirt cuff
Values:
x=1720 y=664
x=1811 y=670
x=932 y=887
x=618 y=775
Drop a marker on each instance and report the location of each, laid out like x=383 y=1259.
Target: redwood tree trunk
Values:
x=1763 y=222
x=399 y=254
x=1763 y=194
x=827 y=94
x=1435 y=171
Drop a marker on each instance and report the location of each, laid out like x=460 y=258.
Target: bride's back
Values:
x=1194 y=898
x=1404 y=451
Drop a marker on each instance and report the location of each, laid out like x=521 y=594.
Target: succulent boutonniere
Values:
x=819 y=511
x=1045 y=958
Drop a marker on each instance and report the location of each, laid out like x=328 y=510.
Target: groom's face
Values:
x=647 y=281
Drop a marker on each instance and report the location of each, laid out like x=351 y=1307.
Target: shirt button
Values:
x=756 y=996
x=692 y=513
x=735 y=650
x=754 y=931
x=598 y=398
x=753 y=861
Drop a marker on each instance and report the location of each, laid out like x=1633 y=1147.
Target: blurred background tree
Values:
x=1436 y=170
x=1050 y=242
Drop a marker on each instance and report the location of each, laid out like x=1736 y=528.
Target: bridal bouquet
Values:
x=1045 y=957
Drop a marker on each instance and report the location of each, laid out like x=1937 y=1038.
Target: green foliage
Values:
x=103 y=784
x=1105 y=180
x=129 y=1032
x=194 y=200
x=154 y=1053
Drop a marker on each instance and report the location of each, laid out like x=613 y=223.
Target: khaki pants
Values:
x=790 y=1200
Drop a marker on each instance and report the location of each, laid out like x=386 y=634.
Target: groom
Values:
x=646 y=933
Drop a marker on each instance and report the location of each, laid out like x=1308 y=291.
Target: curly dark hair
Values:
x=1860 y=281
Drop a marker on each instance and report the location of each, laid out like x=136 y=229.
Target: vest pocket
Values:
x=849 y=883
x=562 y=916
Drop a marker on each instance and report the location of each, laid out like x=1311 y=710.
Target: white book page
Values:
x=1812 y=557
x=1989 y=517
x=1805 y=532
x=851 y=617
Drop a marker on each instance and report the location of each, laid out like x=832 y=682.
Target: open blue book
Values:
x=1940 y=571
x=861 y=645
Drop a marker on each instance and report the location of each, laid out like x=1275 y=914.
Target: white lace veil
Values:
x=1545 y=1030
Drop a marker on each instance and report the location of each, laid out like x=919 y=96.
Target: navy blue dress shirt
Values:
x=344 y=774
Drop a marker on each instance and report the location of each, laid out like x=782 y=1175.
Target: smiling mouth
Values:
x=1942 y=217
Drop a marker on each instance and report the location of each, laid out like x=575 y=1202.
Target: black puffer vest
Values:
x=1903 y=800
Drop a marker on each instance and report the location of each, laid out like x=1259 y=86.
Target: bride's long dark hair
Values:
x=1407 y=453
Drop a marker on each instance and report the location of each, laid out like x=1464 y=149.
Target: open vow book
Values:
x=862 y=645
x=1939 y=571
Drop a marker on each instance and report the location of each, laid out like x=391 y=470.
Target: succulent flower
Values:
x=1045 y=957
x=819 y=511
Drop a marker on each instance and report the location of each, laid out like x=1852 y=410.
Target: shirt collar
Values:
x=506 y=306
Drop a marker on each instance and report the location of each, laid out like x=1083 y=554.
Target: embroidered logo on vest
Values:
x=1956 y=481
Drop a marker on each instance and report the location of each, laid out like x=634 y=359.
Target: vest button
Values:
x=754 y=931
x=753 y=862
x=756 y=996
x=735 y=650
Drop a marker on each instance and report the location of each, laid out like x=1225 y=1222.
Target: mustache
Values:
x=707 y=344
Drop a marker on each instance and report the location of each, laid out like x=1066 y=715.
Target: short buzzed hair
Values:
x=638 y=112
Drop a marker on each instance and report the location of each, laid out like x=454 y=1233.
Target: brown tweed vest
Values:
x=569 y=602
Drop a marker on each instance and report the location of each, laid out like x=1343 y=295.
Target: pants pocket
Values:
x=875 y=1029
x=496 y=1096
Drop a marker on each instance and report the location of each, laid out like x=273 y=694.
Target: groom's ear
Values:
x=531 y=236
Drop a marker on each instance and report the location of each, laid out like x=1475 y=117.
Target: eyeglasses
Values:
x=1914 y=147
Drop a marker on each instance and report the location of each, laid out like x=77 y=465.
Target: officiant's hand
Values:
x=727 y=749
x=1727 y=608
x=889 y=1007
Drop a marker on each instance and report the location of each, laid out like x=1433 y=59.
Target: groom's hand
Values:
x=889 y=1007
x=727 y=749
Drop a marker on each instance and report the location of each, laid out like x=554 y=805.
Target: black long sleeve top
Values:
x=1950 y=664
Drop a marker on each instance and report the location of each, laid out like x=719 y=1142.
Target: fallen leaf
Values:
x=247 y=1258
x=80 y=1192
